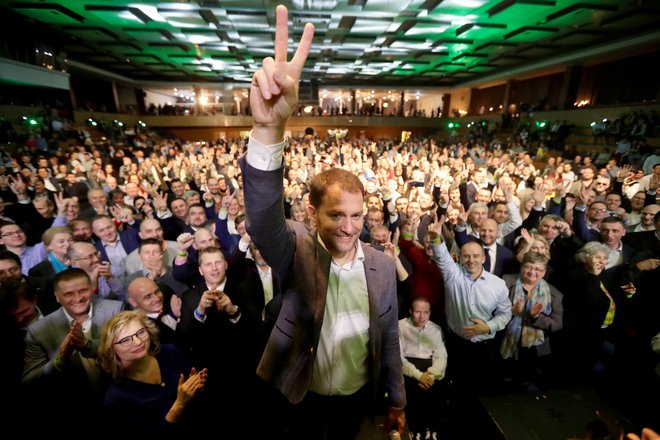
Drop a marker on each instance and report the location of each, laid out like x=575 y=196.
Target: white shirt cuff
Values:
x=265 y=157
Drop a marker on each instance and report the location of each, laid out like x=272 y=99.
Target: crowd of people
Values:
x=307 y=283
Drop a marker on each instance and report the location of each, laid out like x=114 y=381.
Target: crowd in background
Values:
x=574 y=243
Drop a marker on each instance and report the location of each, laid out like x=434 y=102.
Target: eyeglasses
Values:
x=599 y=209
x=96 y=254
x=16 y=233
x=141 y=334
x=534 y=268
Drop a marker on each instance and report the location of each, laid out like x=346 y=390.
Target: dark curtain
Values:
x=627 y=81
x=540 y=93
x=483 y=99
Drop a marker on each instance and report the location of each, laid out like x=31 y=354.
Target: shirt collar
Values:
x=89 y=314
x=359 y=253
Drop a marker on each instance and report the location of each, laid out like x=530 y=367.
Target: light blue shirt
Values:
x=486 y=298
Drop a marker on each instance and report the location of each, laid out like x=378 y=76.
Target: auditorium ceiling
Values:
x=366 y=43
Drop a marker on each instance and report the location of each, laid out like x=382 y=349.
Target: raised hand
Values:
x=61 y=204
x=160 y=201
x=17 y=186
x=274 y=89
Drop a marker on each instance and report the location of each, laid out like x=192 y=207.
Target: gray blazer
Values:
x=548 y=323
x=288 y=247
x=44 y=337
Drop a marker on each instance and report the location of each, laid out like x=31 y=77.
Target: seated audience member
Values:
x=537 y=312
x=60 y=351
x=150 y=394
x=424 y=359
x=146 y=295
x=84 y=256
x=57 y=241
x=150 y=252
x=151 y=228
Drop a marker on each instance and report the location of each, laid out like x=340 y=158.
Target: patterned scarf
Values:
x=519 y=331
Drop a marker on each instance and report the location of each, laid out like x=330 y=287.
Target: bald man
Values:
x=144 y=294
x=151 y=228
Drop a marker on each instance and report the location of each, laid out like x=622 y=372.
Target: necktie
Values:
x=487 y=261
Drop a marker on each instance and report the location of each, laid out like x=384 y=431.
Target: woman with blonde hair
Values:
x=526 y=202
x=41 y=277
x=149 y=394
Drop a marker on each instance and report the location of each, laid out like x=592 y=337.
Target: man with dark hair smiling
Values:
x=336 y=337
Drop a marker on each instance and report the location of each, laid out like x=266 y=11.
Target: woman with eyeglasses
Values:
x=537 y=312
x=149 y=394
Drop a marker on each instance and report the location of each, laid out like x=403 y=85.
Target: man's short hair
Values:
x=70 y=274
x=148 y=241
x=209 y=250
x=8 y=255
x=320 y=183
x=614 y=219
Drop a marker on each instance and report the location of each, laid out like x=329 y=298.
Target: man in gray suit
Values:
x=336 y=337
x=60 y=370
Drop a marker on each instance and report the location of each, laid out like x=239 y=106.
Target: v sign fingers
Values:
x=274 y=89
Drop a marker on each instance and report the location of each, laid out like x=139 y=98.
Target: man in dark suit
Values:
x=145 y=294
x=334 y=341
x=113 y=245
x=60 y=353
x=213 y=328
x=98 y=204
x=498 y=259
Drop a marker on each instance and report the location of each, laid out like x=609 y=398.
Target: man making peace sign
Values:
x=335 y=343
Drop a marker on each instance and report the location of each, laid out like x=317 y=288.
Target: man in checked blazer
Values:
x=336 y=337
x=60 y=368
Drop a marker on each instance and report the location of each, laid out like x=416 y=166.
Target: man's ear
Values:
x=311 y=213
x=132 y=302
